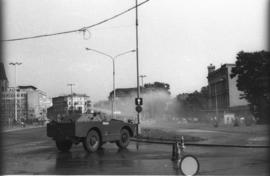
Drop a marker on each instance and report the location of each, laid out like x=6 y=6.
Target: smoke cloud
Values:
x=155 y=106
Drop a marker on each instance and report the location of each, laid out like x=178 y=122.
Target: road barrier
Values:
x=171 y=142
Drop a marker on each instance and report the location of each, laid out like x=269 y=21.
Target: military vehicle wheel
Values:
x=92 y=141
x=63 y=145
x=124 y=139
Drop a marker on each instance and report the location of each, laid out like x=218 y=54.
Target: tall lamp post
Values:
x=216 y=101
x=113 y=61
x=15 y=92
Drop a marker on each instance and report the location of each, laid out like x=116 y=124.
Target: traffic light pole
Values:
x=137 y=64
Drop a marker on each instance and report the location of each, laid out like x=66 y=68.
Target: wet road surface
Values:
x=30 y=151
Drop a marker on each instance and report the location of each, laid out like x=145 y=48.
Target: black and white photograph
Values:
x=135 y=87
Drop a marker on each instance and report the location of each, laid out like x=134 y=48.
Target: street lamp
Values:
x=216 y=102
x=113 y=61
x=15 y=92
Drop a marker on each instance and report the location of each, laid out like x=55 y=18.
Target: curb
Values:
x=19 y=129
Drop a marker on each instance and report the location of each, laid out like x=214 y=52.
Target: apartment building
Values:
x=31 y=104
x=67 y=104
x=223 y=93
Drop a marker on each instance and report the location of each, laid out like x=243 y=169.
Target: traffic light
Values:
x=138 y=108
x=138 y=101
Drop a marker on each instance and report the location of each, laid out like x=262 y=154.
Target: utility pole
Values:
x=137 y=64
x=71 y=84
x=142 y=76
x=15 y=87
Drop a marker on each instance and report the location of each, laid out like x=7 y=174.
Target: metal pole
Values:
x=142 y=76
x=113 y=103
x=216 y=102
x=15 y=94
x=15 y=88
x=114 y=92
x=137 y=64
x=71 y=93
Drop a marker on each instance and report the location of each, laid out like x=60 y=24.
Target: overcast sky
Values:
x=178 y=39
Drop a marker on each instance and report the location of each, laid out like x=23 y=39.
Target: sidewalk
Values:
x=17 y=128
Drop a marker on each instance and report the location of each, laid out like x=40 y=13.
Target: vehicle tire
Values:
x=92 y=141
x=124 y=139
x=63 y=145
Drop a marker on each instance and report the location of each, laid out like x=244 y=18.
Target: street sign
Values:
x=138 y=108
x=138 y=101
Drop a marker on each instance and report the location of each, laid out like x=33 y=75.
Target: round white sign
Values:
x=189 y=165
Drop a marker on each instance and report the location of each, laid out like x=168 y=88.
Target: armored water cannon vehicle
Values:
x=93 y=129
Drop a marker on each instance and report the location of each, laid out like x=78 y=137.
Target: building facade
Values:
x=8 y=104
x=31 y=104
x=64 y=105
x=3 y=78
x=3 y=88
x=224 y=97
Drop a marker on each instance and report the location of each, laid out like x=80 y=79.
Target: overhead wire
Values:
x=114 y=27
x=84 y=29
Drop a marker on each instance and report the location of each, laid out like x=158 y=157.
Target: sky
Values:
x=178 y=39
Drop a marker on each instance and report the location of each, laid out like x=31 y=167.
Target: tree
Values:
x=158 y=86
x=193 y=104
x=197 y=101
x=252 y=71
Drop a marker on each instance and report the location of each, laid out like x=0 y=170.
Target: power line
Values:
x=114 y=27
x=76 y=30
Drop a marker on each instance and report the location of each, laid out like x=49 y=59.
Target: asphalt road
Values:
x=30 y=151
